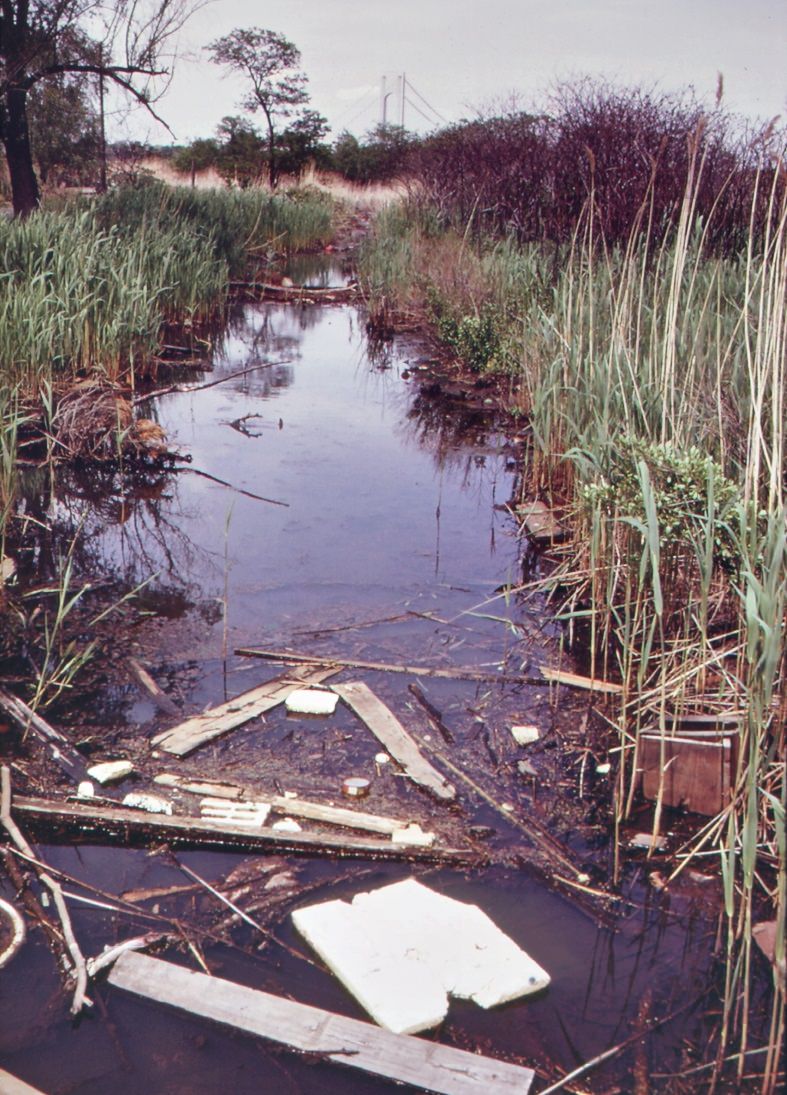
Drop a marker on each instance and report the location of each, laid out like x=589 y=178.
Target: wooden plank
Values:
x=198 y=832
x=697 y=774
x=281 y=804
x=351 y=1042
x=202 y=728
x=289 y=657
x=12 y=1085
x=57 y=745
x=574 y=680
x=389 y=732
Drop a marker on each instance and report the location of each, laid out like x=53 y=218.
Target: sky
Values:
x=461 y=56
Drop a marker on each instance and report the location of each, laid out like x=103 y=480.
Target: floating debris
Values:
x=356 y=787
x=152 y=804
x=413 y=834
x=110 y=771
x=525 y=735
x=403 y=949
x=311 y=701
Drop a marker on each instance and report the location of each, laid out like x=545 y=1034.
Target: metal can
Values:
x=356 y=787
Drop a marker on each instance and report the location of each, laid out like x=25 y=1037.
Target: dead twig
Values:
x=435 y=716
x=179 y=388
x=78 y=959
x=614 y=1050
x=231 y=486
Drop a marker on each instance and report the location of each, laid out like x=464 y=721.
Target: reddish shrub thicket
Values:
x=635 y=151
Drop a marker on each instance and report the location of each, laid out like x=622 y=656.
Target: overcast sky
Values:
x=459 y=55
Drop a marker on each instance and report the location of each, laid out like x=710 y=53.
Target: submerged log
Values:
x=135 y=825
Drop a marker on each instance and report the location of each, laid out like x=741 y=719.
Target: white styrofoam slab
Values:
x=393 y=986
x=402 y=949
x=311 y=701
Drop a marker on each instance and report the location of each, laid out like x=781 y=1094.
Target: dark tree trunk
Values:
x=18 y=153
x=273 y=174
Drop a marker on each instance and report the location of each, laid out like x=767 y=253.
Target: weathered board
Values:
x=283 y=804
x=389 y=731
x=697 y=772
x=575 y=680
x=59 y=748
x=197 y=832
x=423 y=1064
x=202 y=728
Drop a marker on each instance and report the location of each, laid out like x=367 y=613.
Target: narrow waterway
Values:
x=337 y=502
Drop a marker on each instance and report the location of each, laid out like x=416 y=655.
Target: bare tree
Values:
x=128 y=42
x=270 y=63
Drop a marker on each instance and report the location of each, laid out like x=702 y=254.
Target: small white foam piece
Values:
x=311 y=701
x=139 y=800
x=110 y=770
x=402 y=949
x=412 y=834
x=525 y=735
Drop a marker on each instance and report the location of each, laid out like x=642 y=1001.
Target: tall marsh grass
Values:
x=87 y=290
x=652 y=374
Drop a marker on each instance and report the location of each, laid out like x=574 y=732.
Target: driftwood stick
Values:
x=290 y=657
x=231 y=486
x=641 y=1032
x=80 y=968
x=179 y=388
x=532 y=829
x=435 y=716
x=159 y=697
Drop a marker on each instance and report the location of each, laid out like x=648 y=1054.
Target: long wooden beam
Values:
x=424 y=1064
x=199 y=832
x=289 y=657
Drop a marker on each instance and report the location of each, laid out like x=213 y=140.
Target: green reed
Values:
x=653 y=380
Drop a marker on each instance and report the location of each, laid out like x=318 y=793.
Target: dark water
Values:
x=390 y=545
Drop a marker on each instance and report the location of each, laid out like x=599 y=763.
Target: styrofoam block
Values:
x=474 y=959
x=525 y=735
x=311 y=701
x=395 y=987
x=413 y=834
x=140 y=800
x=109 y=770
x=402 y=949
